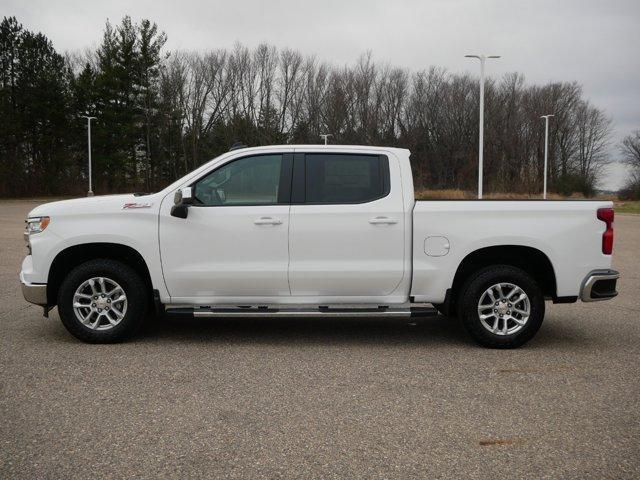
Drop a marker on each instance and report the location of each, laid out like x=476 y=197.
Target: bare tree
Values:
x=631 y=149
x=593 y=132
x=265 y=95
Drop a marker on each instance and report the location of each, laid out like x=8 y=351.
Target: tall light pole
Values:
x=326 y=136
x=482 y=59
x=546 y=152
x=90 y=192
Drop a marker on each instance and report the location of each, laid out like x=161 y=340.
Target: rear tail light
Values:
x=606 y=215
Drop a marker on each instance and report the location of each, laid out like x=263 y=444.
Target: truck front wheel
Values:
x=102 y=301
x=501 y=307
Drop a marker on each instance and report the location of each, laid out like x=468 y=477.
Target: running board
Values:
x=318 y=312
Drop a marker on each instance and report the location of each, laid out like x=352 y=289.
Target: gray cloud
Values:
x=593 y=42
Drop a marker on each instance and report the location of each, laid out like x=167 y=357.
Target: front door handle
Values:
x=267 y=221
x=383 y=221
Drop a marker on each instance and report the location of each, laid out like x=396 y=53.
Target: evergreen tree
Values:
x=126 y=88
x=34 y=93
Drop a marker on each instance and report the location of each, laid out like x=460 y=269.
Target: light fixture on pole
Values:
x=482 y=59
x=90 y=192
x=546 y=153
x=325 y=136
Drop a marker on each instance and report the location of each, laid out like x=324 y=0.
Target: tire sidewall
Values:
x=130 y=282
x=478 y=284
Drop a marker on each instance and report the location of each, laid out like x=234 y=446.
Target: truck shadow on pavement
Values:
x=439 y=330
x=435 y=331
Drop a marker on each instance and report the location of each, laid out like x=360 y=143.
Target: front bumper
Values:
x=34 y=292
x=599 y=285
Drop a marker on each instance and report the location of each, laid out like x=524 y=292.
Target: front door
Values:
x=347 y=233
x=234 y=242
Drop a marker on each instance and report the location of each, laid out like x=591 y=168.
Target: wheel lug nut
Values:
x=496 y=304
x=509 y=305
x=508 y=312
x=495 y=310
x=109 y=301
x=93 y=304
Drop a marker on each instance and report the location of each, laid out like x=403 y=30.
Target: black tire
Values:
x=474 y=288
x=135 y=290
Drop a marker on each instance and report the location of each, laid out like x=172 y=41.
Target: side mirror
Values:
x=181 y=201
x=184 y=196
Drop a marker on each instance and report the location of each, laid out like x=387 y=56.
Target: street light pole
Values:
x=90 y=192
x=546 y=153
x=482 y=59
x=325 y=136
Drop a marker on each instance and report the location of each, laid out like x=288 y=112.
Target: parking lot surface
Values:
x=321 y=398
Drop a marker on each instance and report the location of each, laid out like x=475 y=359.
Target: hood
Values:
x=98 y=204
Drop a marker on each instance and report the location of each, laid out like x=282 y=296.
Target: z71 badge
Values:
x=128 y=206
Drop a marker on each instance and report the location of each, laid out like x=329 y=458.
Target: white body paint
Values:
x=380 y=252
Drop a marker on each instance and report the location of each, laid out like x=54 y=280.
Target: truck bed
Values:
x=445 y=232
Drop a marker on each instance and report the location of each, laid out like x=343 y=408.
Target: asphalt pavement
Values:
x=321 y=398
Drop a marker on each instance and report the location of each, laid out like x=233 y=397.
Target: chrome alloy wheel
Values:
x=504 y=308
x=100 y=303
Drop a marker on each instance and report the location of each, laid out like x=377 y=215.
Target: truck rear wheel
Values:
x=102 y=301
x=501 y=307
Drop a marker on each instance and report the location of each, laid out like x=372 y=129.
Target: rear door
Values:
x=346 y=233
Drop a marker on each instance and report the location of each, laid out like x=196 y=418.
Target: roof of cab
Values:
x=321 y=147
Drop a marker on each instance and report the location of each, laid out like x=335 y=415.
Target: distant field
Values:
x=628 y=207
x=452 y=194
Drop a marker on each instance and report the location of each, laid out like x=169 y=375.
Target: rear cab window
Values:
x=337 y=178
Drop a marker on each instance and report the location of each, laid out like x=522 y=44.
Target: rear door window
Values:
x=345 y=178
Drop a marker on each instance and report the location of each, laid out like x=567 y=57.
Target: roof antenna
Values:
x=237 y=145
x=325 y=136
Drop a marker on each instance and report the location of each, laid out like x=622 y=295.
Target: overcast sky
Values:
x=594 y=42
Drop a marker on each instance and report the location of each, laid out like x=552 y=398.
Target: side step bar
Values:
x=318 y=312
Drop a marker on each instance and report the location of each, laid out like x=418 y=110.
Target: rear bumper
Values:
x=34 y=292
x=599 y=285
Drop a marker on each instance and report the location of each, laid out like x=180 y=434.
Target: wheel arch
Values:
x=532 y=260
x=69 y=258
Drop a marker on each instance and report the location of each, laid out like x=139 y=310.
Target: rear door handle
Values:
x=267 y=221
x=383 y=220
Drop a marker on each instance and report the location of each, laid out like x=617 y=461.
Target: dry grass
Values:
x=452 y=194
x=632 y=206
x=621 y=206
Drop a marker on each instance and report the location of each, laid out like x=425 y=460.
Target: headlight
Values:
x=37 y=224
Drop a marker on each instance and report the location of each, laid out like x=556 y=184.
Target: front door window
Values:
x=247 y=181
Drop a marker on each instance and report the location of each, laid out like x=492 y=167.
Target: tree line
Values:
x=631 y=156
x=160 y=115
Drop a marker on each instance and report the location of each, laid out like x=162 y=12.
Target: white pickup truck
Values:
x=307 y=230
